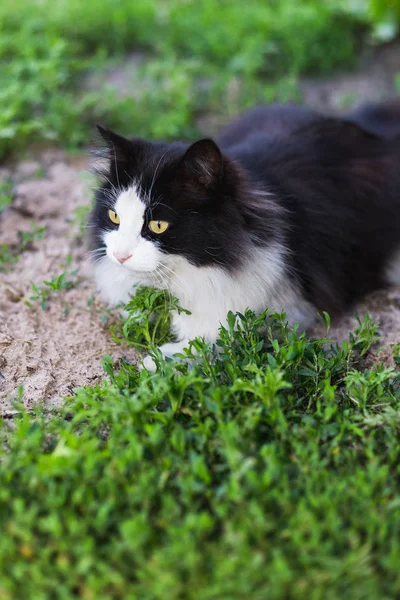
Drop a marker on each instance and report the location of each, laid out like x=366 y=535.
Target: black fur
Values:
x=327 y=188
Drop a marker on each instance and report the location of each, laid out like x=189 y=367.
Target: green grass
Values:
x=269 y=470
x=200 y=57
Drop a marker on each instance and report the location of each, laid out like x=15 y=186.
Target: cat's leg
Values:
x=187 y=327
x=392 y=271
x=303 y=318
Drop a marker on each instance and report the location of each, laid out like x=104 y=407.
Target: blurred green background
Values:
x=155 y=67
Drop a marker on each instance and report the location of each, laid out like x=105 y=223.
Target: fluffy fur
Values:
x=288 y=209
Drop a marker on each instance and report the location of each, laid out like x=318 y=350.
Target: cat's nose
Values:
x=121 y=258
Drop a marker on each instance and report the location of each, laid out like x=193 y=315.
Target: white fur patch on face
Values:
x=141 y=255
x=116 y=281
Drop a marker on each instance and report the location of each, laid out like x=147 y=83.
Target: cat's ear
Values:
x=203 y=163
x=119 y=146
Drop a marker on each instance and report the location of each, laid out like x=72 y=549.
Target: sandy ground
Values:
x=51 y=352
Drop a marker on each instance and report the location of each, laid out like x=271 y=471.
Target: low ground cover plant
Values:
x=268 y=469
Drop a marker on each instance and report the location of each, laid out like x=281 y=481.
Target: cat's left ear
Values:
x=118 y=145
x=203 y=163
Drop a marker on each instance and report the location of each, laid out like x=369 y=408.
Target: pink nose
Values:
x=121 y=257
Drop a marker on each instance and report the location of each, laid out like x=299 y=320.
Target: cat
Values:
x=287 y=209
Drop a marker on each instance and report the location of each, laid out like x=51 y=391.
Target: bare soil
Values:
x=51 y=352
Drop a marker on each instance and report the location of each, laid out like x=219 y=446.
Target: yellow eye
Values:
x=158 y=226
x=114 y=218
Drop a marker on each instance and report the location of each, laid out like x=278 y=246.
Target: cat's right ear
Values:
x=118 y=146
x=202 y=163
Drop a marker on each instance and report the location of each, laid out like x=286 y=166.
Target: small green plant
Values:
x=396 y=82
x=79 y=218
x=149 y=318
x=58 y=283
x=10 y=253
x=365 y=335
x=6 y=256
x=6 y=193
x=347 y=100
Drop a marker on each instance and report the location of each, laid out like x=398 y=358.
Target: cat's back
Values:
x=338 y=181
x=273 y=121
x=296 y=146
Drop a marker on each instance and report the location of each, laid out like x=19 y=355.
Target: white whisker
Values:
x=116 y=165
x=158 y=203
x=97 y=250
x=173 y=279
x=87 y=226
x=156 y=169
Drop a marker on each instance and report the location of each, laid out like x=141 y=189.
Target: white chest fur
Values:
x=210 y=293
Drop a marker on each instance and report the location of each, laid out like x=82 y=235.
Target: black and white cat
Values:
x=288 y=209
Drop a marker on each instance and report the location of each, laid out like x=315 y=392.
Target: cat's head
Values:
x=163 y=205
x=161 y=201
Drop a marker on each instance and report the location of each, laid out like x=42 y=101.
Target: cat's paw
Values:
x=149 y=364
x=168 y=350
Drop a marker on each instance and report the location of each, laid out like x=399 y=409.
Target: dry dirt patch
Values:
x=52 y=352
x=49 y=352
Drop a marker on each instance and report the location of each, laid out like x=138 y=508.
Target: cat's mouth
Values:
x=137 y=271
x=127 y=264
x=160 y=275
